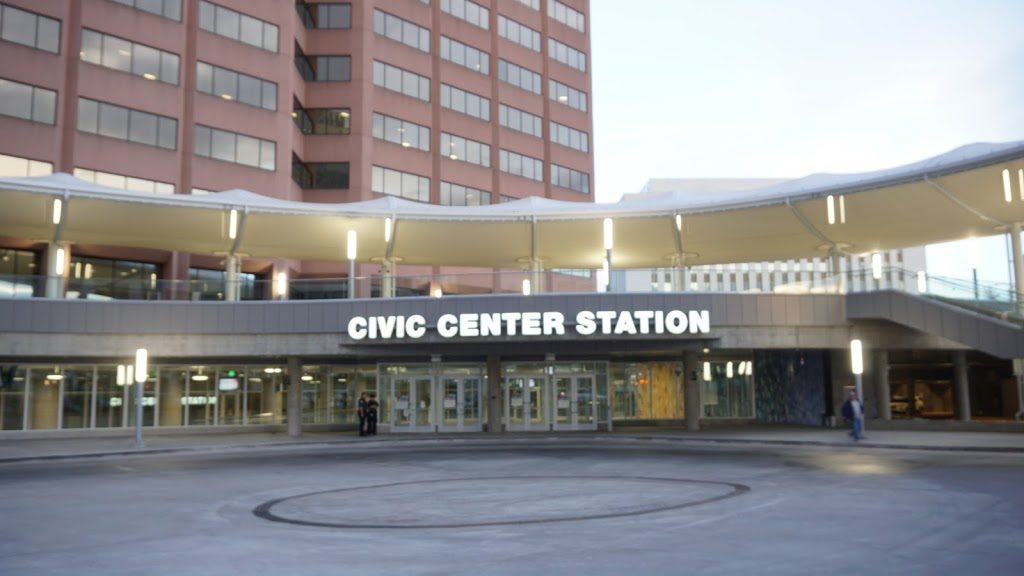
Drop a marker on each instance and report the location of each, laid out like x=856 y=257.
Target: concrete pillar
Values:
x=1018 y=266
x=232 y=267
x=691 y=390
x=294 y=397
x=678 y=274
x=171 y=393
x=883 y=394
x=387 y=278
x=835 y=261
x=961 y=391
x=536 y=276
x=56 y=280
x=494 y=407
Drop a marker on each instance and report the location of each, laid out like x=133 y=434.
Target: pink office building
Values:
x=452 y=102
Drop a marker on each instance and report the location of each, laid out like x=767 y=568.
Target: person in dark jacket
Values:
x=853 y=411
x=372 y=407
x=361 y=412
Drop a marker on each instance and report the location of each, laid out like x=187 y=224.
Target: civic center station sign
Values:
x=477 y=324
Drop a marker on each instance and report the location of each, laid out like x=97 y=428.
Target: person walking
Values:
x=372 y=406
x=361 y=412
x=853 y=411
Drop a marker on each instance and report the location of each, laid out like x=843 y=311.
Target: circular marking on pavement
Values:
x=494 y=501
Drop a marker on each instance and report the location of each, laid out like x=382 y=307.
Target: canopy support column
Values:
x=232 y=268
x=387 y=277
x=1018 y=266
x=57 y=271
x=536 y=276
x=838 y=278
x=679 y=273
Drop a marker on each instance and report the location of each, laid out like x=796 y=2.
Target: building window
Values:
x=567 y=55
x=567 y=95
x=323 y=68
x=518 y=76
x=29 y=29
x=21 y=277
x=401 y=184
x=321 y=121
x=235 y=86
x=324 y=16
x=465 y=55
x=534 y=4
x=320 y=175
x=118 y=54
x=237 y=26
x=124 y=182
x=402 y=31
x=471 y=12
x=397 y=80
x=521 y=165
x=27 y=102
x=236 y=148
x=128 y=124
x=520 y=121
x=465 y=102
x=207 y=284
x=105 y=278
x=465 y=150
x=723 y=396
x=18 y=167
x=170 y=9
x=399 y=131
x=568 y=178
x=456 y=195
x=567 y=16
x=569 y=137
x=519 y=33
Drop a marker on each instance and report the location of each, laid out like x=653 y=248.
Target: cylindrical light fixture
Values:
x=830 y=204
x=707 y=371
x=387 y=230
x=233 y=224
x=1007 y=192
x=141 y=365
x=1020 y=182
x=679 y=222
x=526 y=286
x=281 y=284
x=608 y=234
x=350 y=244
x=876 y=265
x=728 y=369
x=438 y=292
x=122 y=378
x=922 y=282
x=856 y=356
x=57 y=205
x=842 y=209
x=58 y=263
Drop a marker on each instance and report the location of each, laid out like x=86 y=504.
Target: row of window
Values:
x=29 y=29
x=399 y=131
x=520 y=120
x=323 y=68
x=519 y=77
x=18 y=167
x=520 y=165
x=567 y=95
x=471 y=12
x=322 y=121
x=237 y=26
x=233 y=147
x=324 y=16
x=535 y=4
x=397 y=80
x=567 y=55
x=138 y=59
x=467 y=103
x=566 y=15
x=569 y=137
x=458 y=195
x=569 y=178
x=235 y=86
x=465 y=55
x=170 y=9
x=400 y=30
x=27 y=102
x=465 y=150
x=320 y=175
x=128 y=124
x=123 y=182
x=400 y=184
x=519 y=33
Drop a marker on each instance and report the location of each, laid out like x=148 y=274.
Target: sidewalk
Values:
x=35 y=449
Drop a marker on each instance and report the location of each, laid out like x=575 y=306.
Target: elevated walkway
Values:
x=973 y=329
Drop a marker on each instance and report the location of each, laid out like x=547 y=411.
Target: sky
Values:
x=787 y=88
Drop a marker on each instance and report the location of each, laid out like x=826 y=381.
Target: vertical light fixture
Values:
x=350 y=248
x=281 y=285
x=233 y=224
x=57 y=205
x=1007 y=192
x=608 y=243
x=141 y=367
x=830 y=204
x=707 y=371
x=526 y=286
x=1020 y=182
x=842 y=209
x=387 y=230
x=121 y=377
x=58 y=263
x=876 y=265
x=857 y=367
x=679 y=222
x=728 y=369
x=438 y=292
x=922 y=282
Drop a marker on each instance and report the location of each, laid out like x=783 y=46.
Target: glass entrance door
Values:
x=460 y=403
x=411 y=408
x=524 y=403
x=574 y=399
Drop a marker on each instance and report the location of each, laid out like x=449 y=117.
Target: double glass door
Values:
x=574 y=402
x=524 y=403
x=442 y=403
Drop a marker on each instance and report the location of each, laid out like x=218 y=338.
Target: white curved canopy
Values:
x=948 y=197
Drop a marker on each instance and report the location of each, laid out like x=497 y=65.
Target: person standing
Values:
x=372 y=406
x=362 y=413
x=853 y=411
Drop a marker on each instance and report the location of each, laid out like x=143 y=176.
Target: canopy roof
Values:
x=948 y=197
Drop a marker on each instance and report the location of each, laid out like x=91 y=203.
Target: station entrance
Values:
x=419 y=398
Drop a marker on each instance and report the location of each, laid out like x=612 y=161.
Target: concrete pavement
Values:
x=25 y=449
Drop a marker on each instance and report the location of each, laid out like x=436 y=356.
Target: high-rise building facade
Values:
x=452 y=102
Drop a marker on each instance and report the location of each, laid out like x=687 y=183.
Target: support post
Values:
x=294 y=397
x=882 y=392
x=56 y=281
x=494 y=408
x=536 y=276
x=836 y=261
x=960 y=388
x=138 y=413
x=1018 y=266
x=232 y=267
x=679 y=273
x=691 y=390
x=387 y=276
x=351 y=279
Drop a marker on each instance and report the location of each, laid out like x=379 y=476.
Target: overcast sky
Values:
x=787 y=88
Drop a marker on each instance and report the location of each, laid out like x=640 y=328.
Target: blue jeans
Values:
x=858 y=428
